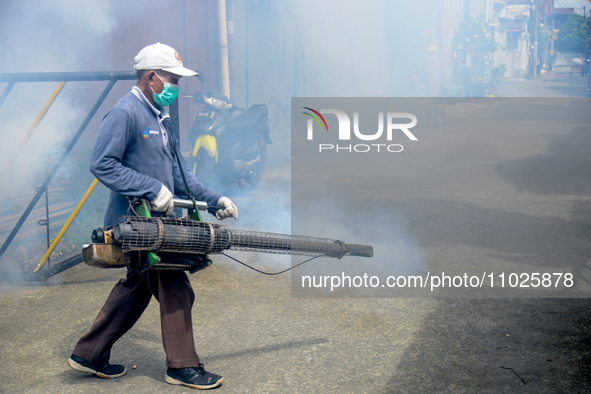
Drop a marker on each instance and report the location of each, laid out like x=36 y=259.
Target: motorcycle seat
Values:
x=254 y=117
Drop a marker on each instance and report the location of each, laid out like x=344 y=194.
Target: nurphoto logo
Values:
x=395 y=125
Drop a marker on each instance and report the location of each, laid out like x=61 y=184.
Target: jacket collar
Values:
x=162 y=113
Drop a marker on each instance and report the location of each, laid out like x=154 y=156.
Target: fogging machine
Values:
x=144 y=242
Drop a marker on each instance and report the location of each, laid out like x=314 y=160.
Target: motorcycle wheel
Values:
x=258 y=169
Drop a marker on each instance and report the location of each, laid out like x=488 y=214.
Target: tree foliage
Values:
x=476 y=38
x=573 y=35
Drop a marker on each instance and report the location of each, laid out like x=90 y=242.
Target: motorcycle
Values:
x=228 y=148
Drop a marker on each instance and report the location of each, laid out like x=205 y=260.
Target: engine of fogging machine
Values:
x=142 y=243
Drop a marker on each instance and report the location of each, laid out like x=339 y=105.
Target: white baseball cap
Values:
x=161 y=57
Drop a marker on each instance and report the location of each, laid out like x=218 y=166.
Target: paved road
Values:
x=526 y=203
x=556 y=83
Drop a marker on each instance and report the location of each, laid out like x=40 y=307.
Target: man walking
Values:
x=134 y=156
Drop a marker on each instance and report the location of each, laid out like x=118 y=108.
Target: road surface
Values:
x=529 y=204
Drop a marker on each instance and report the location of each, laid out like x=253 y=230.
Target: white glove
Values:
x=227 y=209
x=163 y=203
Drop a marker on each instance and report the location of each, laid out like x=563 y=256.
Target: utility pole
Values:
x=535 y=43
x=467 y=60
x=223 y=47
x=551 y=62
x=587 y=63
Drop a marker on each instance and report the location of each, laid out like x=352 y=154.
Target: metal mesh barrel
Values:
x=170 y=235
x=190 y=236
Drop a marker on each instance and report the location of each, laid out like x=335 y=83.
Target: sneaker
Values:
x=196 y=378
x=108 y=371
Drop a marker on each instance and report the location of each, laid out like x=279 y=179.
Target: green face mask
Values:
x=169 y=93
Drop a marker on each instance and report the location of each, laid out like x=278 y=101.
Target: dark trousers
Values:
x=126 y=303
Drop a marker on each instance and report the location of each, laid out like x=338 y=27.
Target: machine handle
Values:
x=188 y=204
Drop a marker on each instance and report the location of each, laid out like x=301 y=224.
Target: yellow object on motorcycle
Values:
x=209 y=143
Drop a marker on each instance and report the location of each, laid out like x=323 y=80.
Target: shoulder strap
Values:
x=168 y=125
